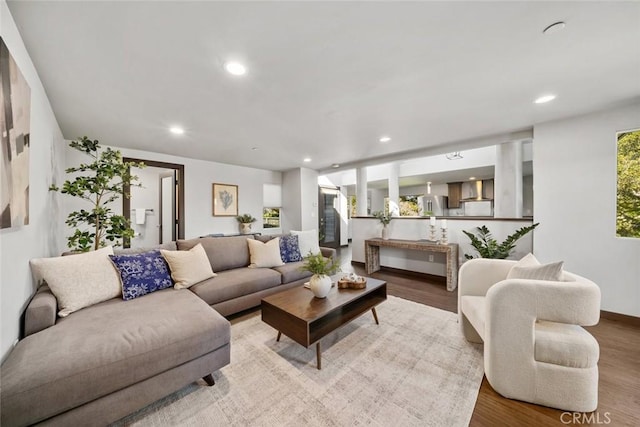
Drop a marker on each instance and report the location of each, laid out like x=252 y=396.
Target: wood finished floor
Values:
x=619 y=387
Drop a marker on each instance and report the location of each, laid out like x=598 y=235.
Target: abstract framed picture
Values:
x=225 y=200
x=15 y=118
x=628 y=184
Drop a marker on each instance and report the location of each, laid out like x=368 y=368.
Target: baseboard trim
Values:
x=416 y=274
x=622 y=318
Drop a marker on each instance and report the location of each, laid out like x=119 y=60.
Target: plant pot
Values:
x=385 y=232
x=245 y=228
x=320 y=285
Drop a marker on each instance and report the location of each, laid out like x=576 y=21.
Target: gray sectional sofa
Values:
x=103 y=362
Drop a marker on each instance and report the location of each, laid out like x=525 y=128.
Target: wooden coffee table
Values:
x=306 y=319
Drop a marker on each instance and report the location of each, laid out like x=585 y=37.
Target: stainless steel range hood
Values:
x=477 y=190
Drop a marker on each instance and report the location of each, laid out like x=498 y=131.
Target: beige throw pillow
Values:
x=188 y=267
x=265 y=255
x=79 y=280
x=552 y=271
x=529 y=260
x=307 y=241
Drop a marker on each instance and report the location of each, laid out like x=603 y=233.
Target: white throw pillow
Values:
x=308 y=242
x=529 y=260
x=552 y=271
x=79 y=280
x=265 y=255
x=188 y=267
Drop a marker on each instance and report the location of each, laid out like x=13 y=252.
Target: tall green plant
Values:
x=99 y=183
x=488 y=247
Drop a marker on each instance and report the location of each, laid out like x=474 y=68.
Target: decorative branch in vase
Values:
x=385 y=219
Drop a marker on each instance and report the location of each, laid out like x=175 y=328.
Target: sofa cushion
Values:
x=105 y=348
x=236 y=283
x=224 y=253
x=264 y=255
x=291 y=272
x=473 y=308
x=290 y=249
x=188 y=267
x=565 y=345
x=79 y=280
x=171 y=246
x=142 y=273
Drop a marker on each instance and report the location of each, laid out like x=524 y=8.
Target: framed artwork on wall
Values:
x=225 y=200
x=15 y=110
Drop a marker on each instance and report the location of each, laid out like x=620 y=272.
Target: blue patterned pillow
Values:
x=142 y=273
x=290 y=249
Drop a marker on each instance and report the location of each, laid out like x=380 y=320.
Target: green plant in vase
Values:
x=322 y=268
x=384 y=218
x=245 y=221
x=99 y=183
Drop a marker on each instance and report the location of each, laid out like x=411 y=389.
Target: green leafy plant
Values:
x=99 y=183
x=319 y=265
x=245 y=219
x=383 y=217
x=488 y=247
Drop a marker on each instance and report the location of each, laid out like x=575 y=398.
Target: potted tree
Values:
x=322 y=268
x=99 y=183
x=245 y=221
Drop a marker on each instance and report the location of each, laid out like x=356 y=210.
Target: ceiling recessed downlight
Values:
x=306 y=159
x=554 y=28
x=235 y=68
x=471 y=178
x=545 y=98
x=176 y=130
x=384 y=139
x=335 y=165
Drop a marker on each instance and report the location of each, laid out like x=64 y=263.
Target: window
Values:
x=271 y=218
x=409 y=206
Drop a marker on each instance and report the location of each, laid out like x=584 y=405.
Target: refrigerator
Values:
x=435 y=204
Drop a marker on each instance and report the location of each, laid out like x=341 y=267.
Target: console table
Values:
x=372 y=255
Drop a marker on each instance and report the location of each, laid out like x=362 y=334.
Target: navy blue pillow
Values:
x=142 y=273
x=290 y=249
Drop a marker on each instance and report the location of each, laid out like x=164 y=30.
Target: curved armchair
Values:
x=534 y=347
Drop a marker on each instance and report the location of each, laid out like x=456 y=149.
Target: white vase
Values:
x=385 y=232
x=245 y=228
x=320 y=285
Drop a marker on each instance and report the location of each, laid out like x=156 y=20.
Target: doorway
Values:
x=329 y=217
x=156 y=210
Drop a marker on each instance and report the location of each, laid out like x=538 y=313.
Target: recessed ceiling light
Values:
x=545 y=98
x=335 y=165
x=254 y=148
x=235 y=68
x=306 y=159
x=384 y=139
x=554 y=28
x=176 y=130
x=471 y=178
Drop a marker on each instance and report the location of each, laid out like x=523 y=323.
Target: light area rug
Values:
x=414 y=369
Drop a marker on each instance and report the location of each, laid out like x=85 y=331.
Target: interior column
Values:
x=361 y=191
x=507 y=201
x=394 y=189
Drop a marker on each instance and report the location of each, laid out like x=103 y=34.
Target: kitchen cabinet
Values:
x=455 y=194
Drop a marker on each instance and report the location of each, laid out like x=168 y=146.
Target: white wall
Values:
x=198 y=180
x=309 y=198
x=300 y=199
x=574 y=172
x=42 y=236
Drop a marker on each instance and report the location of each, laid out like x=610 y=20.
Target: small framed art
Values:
x=225 y=200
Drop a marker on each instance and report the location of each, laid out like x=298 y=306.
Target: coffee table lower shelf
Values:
x=306 y=319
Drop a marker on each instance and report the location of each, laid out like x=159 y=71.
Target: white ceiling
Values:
x=326 y=79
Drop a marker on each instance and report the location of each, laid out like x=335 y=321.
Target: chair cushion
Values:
x=565 y=345
x=291 y=272
x=224 y=253
x=236 y=283
x=105 y=348
x=473 y=308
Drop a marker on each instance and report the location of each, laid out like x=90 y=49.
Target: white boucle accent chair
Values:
x=534 y=347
